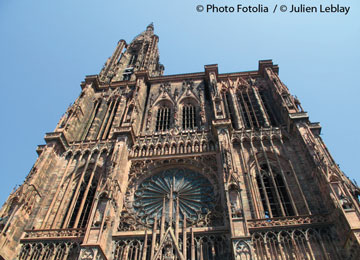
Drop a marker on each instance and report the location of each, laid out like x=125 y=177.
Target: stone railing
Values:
x=287 y=221
x=54 y=233
x=172 y=143
x=257 y=134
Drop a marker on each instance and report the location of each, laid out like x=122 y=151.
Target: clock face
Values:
x=171 y=192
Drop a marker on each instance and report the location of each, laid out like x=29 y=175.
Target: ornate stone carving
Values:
x=173 y=143
x=196 y=193
x=87 y=254
x=288 y=221
x=55 y=233
x=242 y=249
x=190 y=190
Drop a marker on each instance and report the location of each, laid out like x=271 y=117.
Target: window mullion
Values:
x=187 y=118
x=247 y=111
x=192 y=117
x=265 y=194
x=162 y=120
x=277 y=193
x=167 y=118
x=183 y=117
x=252 y=110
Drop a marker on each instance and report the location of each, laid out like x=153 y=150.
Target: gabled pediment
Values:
x=164 y=95
x=187 y=93
x=170 y=246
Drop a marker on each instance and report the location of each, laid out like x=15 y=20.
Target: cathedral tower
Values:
x=193 y=166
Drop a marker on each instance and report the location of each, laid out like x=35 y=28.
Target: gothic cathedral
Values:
x=193 y=166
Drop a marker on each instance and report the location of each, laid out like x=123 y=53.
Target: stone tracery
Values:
x=181 y=191
x=197 y=191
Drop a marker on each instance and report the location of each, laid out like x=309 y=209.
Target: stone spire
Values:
x=141 y=54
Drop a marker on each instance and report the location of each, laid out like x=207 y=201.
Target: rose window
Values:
x=177 y=193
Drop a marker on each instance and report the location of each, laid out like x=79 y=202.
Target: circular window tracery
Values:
x=174 y=191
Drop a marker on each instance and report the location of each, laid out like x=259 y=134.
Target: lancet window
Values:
x=133 y=59
x=131 y=250
x=84 y=201
x=83 y=188
x=294 y=244
x=274 y=195
x=49 y=251
x=265 y=98
x=90 y=123
x=108 y=119
x=163 y=119
x=229 y=107
x=101 y=119
x=250 y=109
x=127 y=73
x=254 y=108
x=199 y=247
x=188 y=116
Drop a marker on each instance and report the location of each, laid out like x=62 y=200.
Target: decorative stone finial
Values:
x=150 y=27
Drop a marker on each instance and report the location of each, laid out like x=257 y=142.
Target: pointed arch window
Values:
x=188 y=116
x=163 y=119
x=84 y=201
x=127 y=73
x=83 y=184
x=133 y=59
x=274 y=195
x=254 y=108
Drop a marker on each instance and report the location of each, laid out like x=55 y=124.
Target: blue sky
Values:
x=47 y=48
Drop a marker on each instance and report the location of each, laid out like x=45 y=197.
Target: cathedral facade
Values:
x=192 y=166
